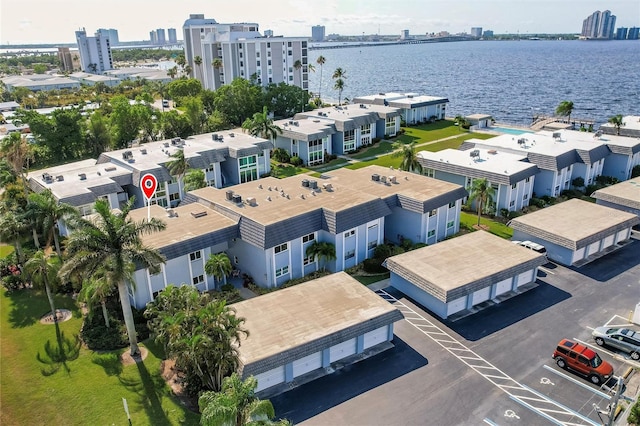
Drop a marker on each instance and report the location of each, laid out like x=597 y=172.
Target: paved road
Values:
x=420 y=382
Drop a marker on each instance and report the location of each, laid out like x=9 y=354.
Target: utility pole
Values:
x=611 y=408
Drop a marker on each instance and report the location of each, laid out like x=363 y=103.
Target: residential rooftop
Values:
x=573 y=222
x=332 y=305
x=305 y=129
x=348 y=117
x=629 y=122
x=625 y=193
x=461 y=265
x=401 y=100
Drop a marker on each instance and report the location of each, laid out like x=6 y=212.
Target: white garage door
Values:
x=342 y=350
x=593 y=248
x=481 y=295
x=525 y=277
x=622 y=235
x=270 y=378
x=376 y=336
x=578 y=255
x=608 y=241
x=308 y=363
x=503 y=286
x=456 y=305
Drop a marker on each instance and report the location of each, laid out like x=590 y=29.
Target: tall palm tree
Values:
x=260 y=125
x=409 y=161
x=178 y=167
x=172 y=72
x=565 y=109
x=320 y=61
x=43 y=268
x=198 y=61
x=18 y=153
x=219 y=266
x=297 y=65
x=113 y=239
x=235 y=404
x=50 y=212
x=339 y=75
x=97 y=289
x=617 y=122
x=217 y=63
x=12 y=228
x=482 y=193
x=321 y=251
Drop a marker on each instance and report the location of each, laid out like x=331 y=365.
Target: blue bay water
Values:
x=510 y=80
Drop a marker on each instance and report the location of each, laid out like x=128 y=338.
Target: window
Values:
x=257 y=54
x=365 y=129
x=512 y=203
x=450 y=224
x=269 y=45
x=248 y=168
x=282 y=271
x=527 y=180
x=525 y=196
x=280 y=248
x=308 y=260
x=195 y=255
x=257 y=63
x=210 y=168
x=316 y=153
x=350 y=233
x=372 y=245
x=308 y=238
x=269 y=62
x=197 y=280
x=433 y=212
x=452 y=204
x=174 y=197
x=513 y=186
x=350 y=254
x=349 y=140
x=431 y=233
x=289 y=44
x=429 y=173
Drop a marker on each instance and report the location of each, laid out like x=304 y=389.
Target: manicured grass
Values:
x=370 y=279
x=451 y=143
x=81 y=391
x=286 y=170
x=381 y=148
x=430 y=132
x=384 y=161
x=468 y=220
x=5 y=250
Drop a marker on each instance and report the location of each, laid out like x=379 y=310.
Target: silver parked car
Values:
x=621 y=338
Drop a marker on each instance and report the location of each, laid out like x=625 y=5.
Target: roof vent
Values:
x=259 y=186
x=492 y=152
x=59 y=178
x=143 y=151
x=176 y=141
x=83 y=176
x=475 y=153
x=252 y=201
x=237 y=198
x=231 y=134
x=327 y=186
x=166 y=144
x=305 y=183
x=127 y=155
x=268 y=198
x=47 y=177
x=171 y=213
x=199 y=214
x=392 y=179
x=375 y=177
x=109 y=169
x=383 y=179
x=229 y=195
x=214 y=136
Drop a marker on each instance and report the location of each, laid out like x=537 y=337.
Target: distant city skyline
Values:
x=46 y=21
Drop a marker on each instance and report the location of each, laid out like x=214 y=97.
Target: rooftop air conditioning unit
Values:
x=383 y=179
x=170 y=213
x=313 y=184
x=83 y=176
x=127 y=155
x=291 y=122
x=363 y=106
x=475 y=153
x=392 y=179
x=231 y=134
x=375 y=177
x=305 y=183
x=327 y=186
x=251 y=201
x=214 y=136
x=166 y=144
x=143 y=151
x=47 y=177
x=229 y=195
x=176 y=141
x=237 y=198
x=109 y=169
x=557 y=135
x=60 y=178
x=320 y=113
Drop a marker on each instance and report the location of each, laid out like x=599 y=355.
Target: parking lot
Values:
x=493 y=367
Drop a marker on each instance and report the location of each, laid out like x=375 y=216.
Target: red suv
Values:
x=581 y=359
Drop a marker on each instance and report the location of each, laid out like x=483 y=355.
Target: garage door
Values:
x=376 y=336
x=578 y=255
x=503 y=286
x=608 y=241
x=525 y=277
x=342 y=350
x=593 y=248
x=308 y=363
x=456 y=305
x=481 y=295
x=622 y=235
x=270 y=378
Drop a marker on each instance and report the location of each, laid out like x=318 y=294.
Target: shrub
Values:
x=12 y=282
x=578 y=182
x=504 y=212
x=537 y=202
x=635 y=172
x=514 y=214
x=281 y=155
x=227 y=287
x=634 y=414
x=406 y=244
x=382 y=251
x=571 y=193
x=590 y=189
x=373 y=266
x=376 y=140
x=296 y=161
x=97 y=336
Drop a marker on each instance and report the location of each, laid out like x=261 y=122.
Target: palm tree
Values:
x=482 y=193
x=198 y=61
x=565 y=109
x=297 y=65
x=339 y=75
x=216 y=63
x=194 y=179
x=235 y=404
x=18 y=153
x=410 y=161
x=42 y=268
x=113 y=239
x=617 y=121
x=46 y=208
x=261 y=125
x=320 y=61
x=97 y=289
x=172 y=72
x=178 y=167
x=219 y=266
x=12 y=228
x=321 y=250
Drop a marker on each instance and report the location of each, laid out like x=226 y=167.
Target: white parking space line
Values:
x=530 y=398
x=577 y=382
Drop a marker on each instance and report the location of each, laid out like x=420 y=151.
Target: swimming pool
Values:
x=508 y=130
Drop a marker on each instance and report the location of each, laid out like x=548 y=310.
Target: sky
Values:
x=55 y=21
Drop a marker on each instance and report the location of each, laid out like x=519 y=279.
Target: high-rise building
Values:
x=621 y=33
x=599 y=25
x=95 y=52
x=317 y=33
x=634 y=33
x=172 y=36
x=487 y=34
x=111 y=33
x=161 y=37
x=404 y=34
x=228 y=51
x=476 y=31
x=65 y=58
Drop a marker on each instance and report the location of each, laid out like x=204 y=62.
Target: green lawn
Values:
x=381 y=148
x=370 y=279
x=5 y=250
x=285 y=170
x=87 y=390
x=468 y=220
x=430 y=132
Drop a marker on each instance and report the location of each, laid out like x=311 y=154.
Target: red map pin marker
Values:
x=149 y=184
